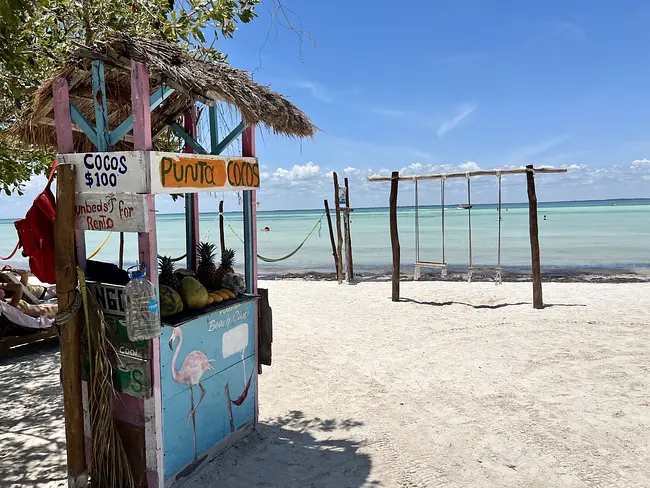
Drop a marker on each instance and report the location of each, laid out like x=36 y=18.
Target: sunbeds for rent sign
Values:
x=174 y=172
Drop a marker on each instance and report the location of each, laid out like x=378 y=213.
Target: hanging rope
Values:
x=96 y=251
x=277 y=260
x=12 y=253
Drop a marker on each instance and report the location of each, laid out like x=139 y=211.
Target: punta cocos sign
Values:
x=172 y=171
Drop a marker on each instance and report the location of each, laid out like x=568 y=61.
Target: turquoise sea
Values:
x=589 y=235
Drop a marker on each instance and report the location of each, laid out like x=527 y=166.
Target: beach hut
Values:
x=183 y=397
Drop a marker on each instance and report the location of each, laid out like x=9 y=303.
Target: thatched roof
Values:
x=170 y=65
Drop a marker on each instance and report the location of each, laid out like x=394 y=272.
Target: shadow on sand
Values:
x=442 y=304
x=491 y=307
x=291 y=451
x=32 y=431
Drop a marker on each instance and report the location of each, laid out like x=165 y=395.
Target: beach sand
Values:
x=458 y=385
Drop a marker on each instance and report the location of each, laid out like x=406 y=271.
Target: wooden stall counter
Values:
x=208 y=374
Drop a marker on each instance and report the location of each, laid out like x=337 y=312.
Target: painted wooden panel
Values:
x=109 y=172
x=216 y=355
x=110 y=298
x=121 y=212
x=131 y=360
x=175 y=172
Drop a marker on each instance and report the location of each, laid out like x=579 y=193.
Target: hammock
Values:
x=242 y=397
x=277 y=260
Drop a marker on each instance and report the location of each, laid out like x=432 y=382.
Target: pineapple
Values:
x=227 y=260
x=207 y=270
x=166 y=275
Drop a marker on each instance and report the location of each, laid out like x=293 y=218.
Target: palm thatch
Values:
x=192 y=79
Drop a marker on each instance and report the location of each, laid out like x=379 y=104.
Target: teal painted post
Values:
x=236 y=132
x=214 y=128
x=191 y=200
x=101 y=110
x=158 y=97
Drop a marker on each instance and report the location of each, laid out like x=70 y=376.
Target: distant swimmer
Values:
x=267 y=229
x=544 y=217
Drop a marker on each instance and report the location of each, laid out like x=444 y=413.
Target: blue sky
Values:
x=433 y=86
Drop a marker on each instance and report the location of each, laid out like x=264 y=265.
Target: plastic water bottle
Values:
x=142 y=310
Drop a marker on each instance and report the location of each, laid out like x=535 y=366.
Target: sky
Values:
x=432 y=86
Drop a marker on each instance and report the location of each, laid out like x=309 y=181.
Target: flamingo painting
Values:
x=196 y=363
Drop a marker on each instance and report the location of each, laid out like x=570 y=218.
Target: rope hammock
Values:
x=12 y=253
x=96 y=251
x=277 y=260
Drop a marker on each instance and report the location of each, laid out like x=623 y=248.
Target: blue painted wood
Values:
x=214 y=128
x=79 y=119
x=101 y=109
x=188 y=138
x=249 y=255
x=158 y=97
x=236 y=132
x=225 y=342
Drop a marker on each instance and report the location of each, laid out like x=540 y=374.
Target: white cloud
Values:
x=317 y=90
x=641 y=163
x=470 y=166
x=462 y=112
x=298 y=172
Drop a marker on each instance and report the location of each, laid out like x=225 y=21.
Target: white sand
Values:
x=480 y=392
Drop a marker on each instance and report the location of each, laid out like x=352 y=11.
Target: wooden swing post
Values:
x=394 y=235
x=533 y=230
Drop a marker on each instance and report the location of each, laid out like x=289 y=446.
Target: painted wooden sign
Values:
x=123 y=212
x=174 y=172
x=208 y=367
x=109 y=172
x=131 y=361
x=110 y=298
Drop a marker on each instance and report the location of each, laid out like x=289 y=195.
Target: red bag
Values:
x=36 y=233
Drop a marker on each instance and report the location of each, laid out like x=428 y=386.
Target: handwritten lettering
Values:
x=243 y=173
x=192 y=172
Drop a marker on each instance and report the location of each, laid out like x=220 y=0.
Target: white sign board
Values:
x=109 y=172
x=121 y=212
x=190 y=173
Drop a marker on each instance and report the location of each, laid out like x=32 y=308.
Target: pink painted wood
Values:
x=189 y=125
x=65 y=145
x=248 y=150
x=147 y=251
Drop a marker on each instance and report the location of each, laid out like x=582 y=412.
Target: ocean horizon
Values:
x=607 y=235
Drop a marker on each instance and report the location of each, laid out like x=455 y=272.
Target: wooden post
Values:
x=538 y=301
x=66 y=282
x=329 y=225
x=394 y=236
x=191 y=199
x=222 y=238
x=121 y=262
x=337 y=205
x=348 y=235
x=147 y=253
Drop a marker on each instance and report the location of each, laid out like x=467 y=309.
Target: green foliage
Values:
x=37 y=36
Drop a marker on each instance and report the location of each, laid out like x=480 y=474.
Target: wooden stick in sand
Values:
x=337 y=204
x=329 y=225
x=222 y=238
x=538 y=301
x=394 y=236
x=348 y=235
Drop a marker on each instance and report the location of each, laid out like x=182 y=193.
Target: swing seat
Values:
x=496 y=270
x=424 y=264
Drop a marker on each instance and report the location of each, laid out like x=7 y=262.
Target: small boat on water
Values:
x=464 y=206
